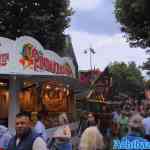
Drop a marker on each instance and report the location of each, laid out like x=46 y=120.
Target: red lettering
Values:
x=41 y=67
x=4 y=58
x=57 y=68
x=35 y=54
x=46 y=63
x=55 y=65
x=43 y=63
x=60 y=69
x=50 y=66
x=63 y=70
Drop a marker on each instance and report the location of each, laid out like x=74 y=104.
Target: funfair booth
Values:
x=29 y=80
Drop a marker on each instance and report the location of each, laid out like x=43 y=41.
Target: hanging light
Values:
x=48 y=87
x=3 y=84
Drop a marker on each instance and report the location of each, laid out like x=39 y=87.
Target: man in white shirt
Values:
x=25 y=138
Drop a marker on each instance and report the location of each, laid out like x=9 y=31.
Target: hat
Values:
x=136 y=121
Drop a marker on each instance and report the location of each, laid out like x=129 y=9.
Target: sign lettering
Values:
x=4 y=58
x=38 y=62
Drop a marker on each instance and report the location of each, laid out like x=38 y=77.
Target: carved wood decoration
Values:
x=28 y=100
x=28 y=97
x=55 y=97
x=101 y=87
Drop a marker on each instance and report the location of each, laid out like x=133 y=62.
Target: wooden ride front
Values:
x=49 y=98
x=53 y=96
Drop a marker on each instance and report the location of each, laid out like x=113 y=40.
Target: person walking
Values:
x=123 y=124
x=135 y=133
x=5 y=137
x=115 y=125
x=62 y=135
x=91 y=138
x=83 y=124
x=40 y=127
x=25 y=138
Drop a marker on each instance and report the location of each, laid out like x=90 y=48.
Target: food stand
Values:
x=27 y=79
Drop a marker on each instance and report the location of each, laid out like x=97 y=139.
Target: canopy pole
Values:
x=14 y=87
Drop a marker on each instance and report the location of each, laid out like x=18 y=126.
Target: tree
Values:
x=127 y=79
x=133 y=15
x=44 y=20
x=134 y=18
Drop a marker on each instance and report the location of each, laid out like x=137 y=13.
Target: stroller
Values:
x=52 y=144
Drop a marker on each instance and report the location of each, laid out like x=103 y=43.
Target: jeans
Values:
x=64 y=146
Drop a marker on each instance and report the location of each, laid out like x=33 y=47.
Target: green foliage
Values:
x=133 y=15
x=45 y=20
x=127 y=79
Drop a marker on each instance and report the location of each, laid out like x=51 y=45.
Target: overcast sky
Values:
x=94 y=24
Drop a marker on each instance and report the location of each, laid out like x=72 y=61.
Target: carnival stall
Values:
x=27 y=80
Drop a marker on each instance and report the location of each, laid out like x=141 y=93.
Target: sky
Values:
x=94 y=25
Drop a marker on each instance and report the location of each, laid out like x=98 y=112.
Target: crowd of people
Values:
x=128 y=109
x=35 y=137
x=130 y=121
x=31 y=136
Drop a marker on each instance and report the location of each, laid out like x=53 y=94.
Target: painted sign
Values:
x=6 y=48
x=38 y=61
x=27 y=56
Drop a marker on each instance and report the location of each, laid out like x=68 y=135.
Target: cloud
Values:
x=94 y=24
x=108 y=49
x=85 y=5
x=99 y=20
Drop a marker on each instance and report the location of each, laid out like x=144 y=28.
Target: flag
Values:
x=92 y=50
x=85 y=51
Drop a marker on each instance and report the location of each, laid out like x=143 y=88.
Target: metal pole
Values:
x=90 y=59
